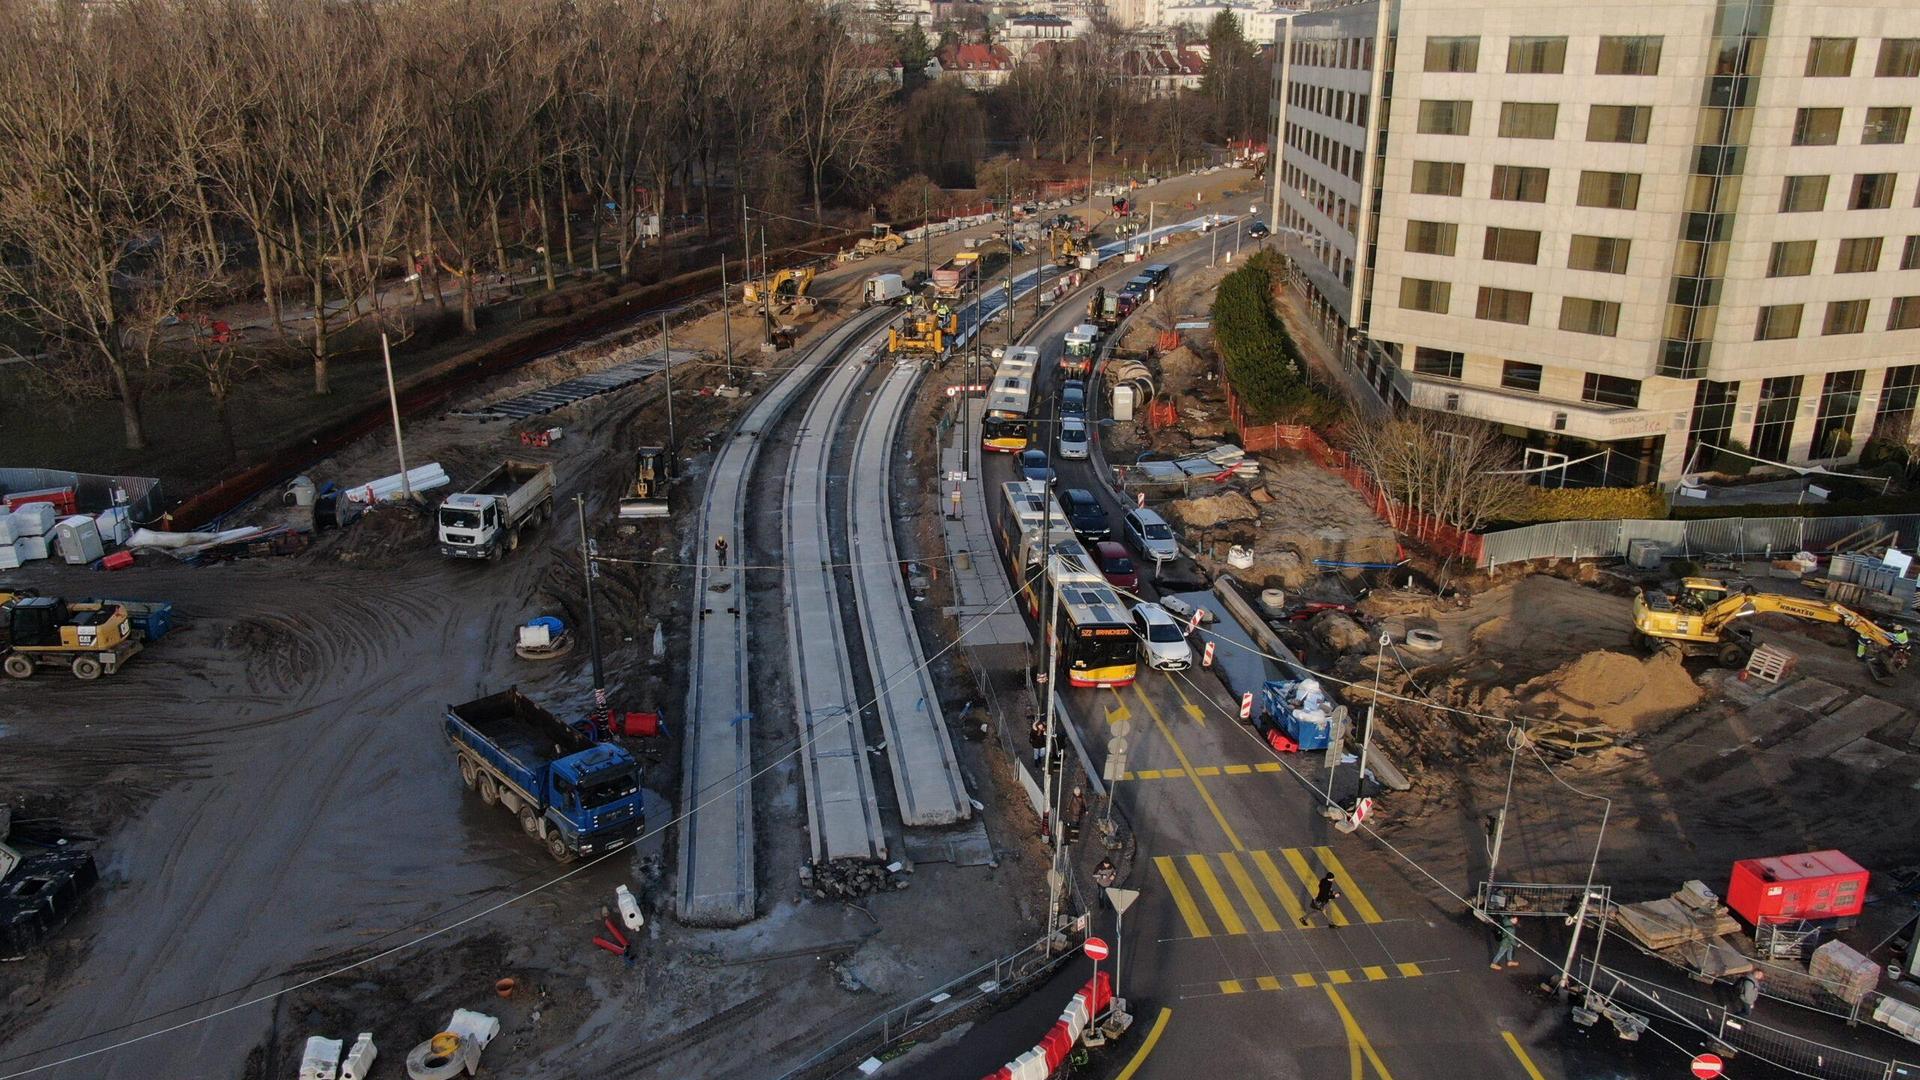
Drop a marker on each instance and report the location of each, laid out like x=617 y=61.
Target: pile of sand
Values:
x=1210 y=511
x=1614 y=689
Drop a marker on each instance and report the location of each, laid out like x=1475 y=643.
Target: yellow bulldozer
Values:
x=923 y=332
x=787 y=289
x=884 y=241
x=1703 y=619
x=88 y=638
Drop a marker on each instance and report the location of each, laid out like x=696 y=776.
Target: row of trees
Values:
x=163 y=154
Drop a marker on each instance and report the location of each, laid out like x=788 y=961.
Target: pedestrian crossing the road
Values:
x=1236 y=892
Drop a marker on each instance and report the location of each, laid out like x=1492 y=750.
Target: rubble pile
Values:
x=849 y=879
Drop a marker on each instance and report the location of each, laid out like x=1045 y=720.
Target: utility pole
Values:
x=926 y=228
x=766 y=299
x=593 y=626
x=393 y=403
x=1052 y=820
x=966 y=393
x=666 y=356
x=726 y=316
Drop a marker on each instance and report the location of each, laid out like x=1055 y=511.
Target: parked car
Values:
x=1158 y=273
x=1150 y=535
x=1085 y=514
x=1162 y=638
x=1116 y=564
x=1258 y=230
x=1073 y=400
x=1034 y=466
x=1073 y=439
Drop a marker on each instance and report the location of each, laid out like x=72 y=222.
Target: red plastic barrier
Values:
x=1058 y=1042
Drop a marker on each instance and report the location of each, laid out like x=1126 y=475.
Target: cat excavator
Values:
x=90 y=638
x=788 y=290
x=1702 y=619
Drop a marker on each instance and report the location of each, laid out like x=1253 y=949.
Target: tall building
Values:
x=1653 y=227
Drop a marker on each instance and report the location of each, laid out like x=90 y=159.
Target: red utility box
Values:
x=62 y=499
x=1817 y=885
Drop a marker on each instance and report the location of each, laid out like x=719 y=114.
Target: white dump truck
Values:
x=485 y=521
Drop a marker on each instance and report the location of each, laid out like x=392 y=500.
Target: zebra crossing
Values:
x=1251 y=891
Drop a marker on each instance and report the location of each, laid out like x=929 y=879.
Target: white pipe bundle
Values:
x=425 y=478
x=149 y=539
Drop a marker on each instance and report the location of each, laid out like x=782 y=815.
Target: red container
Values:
x=1817 y=885
x=63 y=500
x=119 y=560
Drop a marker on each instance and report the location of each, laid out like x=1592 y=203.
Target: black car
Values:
x=1084 y=514
x=1259 y=231
x=1157 y=274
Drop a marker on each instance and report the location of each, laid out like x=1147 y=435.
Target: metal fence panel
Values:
x=1714 y=536
x=95 y=492
x=1670 y=535
x=1703 y=536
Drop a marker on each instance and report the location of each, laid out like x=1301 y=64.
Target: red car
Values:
x=1116 y=565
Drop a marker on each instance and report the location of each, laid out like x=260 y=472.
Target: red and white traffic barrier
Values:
x=1051 y=1052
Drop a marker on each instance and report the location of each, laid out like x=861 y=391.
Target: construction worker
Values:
x=1508 y=928
x=720 y=549
x=1076 y=813
x=1325 y=895
x=1104 y=877
x=1747 y=991
x=1037 y=738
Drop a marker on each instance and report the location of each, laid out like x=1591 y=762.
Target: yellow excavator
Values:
x=788 y=289
x=1702 y=620
x=923 y=332
x=884 y=241
x=1066 y=248
x=88 y=638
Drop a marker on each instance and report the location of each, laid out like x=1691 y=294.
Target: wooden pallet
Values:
x=1769 y=663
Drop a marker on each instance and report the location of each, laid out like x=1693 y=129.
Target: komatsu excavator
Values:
x=1703 y=619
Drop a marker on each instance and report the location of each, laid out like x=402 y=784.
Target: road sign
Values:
x=1115 y=768
x=1122 y=899
x=1246 y=705
x=1096 y=949
x=1705 y=1066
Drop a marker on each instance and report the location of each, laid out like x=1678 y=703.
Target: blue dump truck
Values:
x=576 y=795
x=1295 y=715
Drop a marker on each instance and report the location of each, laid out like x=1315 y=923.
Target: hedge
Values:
x=1261 y=358
x=1590 y=504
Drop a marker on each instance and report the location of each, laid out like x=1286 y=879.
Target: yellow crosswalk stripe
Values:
x=1304 y=979
x=1267 y=766
x=1374 y=972
x=1338 y=977
x=1148 y=774
x=1262 y=914
x=1349 y=888
x=1231 y=986
x=1278 y=883
x=1411 y=971
x=1182 y=898
x=1206 y=770
x=1267 y=982
x=1210 y=885
x=1311 y=881
x=1237 y=770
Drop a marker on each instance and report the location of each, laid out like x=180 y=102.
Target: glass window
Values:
x=1839 y=404
x=1905 y=313
x=1512 y=245
x=1899 y=391
x=1886 y=125
x=1871 y=191
x=1431 y=237
x=1448 y=117
x=1801 y=194
x=1845 y=317
x=1778 y=322
x=1791 y=258
x=1440 y=363
x=1528 y=119
x=1453 y=54
x=1605 y=254
x=1536 y=55
x=1629 y=56
x=1438 y=177
x=1515 y=375
x=1829 y=57
x=1618 y=123
x=1899 y=58
x=1858 y=255
x=1816 y=127
x=1583 y=316
x=1910 y=254
x=1504 y=305
x=1713 y=409
x=1420 y=295
x=1773 y=418
x=1610 y=190
x=1610 y=390
x=1519 y=183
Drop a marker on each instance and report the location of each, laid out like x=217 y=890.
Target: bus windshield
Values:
x=1103 y=646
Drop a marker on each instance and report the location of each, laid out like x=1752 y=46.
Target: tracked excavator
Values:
x=788 y=289
x=1703 y=619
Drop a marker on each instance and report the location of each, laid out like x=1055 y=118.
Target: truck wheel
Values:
x=513 y=541
x=546 y=511
x=86 y=668
x=557 y=847
x=17 y=666
x=1732 y=655
x=530 y=822
x=494 y=554
x=489 y=791
x=469 y=772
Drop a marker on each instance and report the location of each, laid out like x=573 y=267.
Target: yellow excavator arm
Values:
x=1825 y=611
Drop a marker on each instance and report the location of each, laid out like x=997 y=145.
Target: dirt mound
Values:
x=383 y=535
x=1211 y=511
x=1184 y=361
x=1614 y=689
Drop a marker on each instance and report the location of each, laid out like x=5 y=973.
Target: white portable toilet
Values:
x=78 y=539
x=1123 y=401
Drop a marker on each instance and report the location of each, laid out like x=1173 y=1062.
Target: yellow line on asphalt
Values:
x=1513 y=1044
x=1182 y=897
x=1304 y=979
x=1267 y=766
x=1356 y=1038
x=1147 y=774
x=1411 y=971
x=1231 y=986
x=1194 y=712
x=1233 y=838
x=1339 y=977
x=1210 y=885
x=1236 y=770
x=1374 y=972
x=1266 y=982
x=1146 y=1045
x=1278 y=884
x=1349 y=888
x=1262 y=914
x=1206 y=770
x=1311 y=881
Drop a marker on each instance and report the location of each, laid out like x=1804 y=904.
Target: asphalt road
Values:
x=1230 y=846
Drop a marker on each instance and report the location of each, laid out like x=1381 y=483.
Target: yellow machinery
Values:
x=923 y=332
x=90 y=639
x=788 y=288
x=1066 y=248
x=884 y=241
x=647 y=498
x=1701 y=620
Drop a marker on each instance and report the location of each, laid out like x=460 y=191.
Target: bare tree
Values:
x=1449 y=468
x=839 y=115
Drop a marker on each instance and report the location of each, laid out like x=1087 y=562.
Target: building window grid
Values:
x=1774 y=416
x=1829 y=57
x=1609 y=190
x=1504 y=305
x=1790 y=258
x=1839 y=404
x=1899 y=58
x=1419 y=294
x=1779 y=322
x=1871 y=191
x=1598 y=389
x=1519 y=183
x=1601 y=254
x=1910 y=254
x=1582 y=316
x=1899 y=391
x=1886 y=125
x=1432 y=237
x=1536 y=55
x=1438 y=117
x=1511 y=245
x=1621 y=55
x=1438 y=363
x=1858 y=255
x=1454 y=54
x=1714 y=404
x=1844 y=317
x=1528 y=119
x=1803 y=194
x=1904 y=313
x=1816 y=127
x=1619 y=123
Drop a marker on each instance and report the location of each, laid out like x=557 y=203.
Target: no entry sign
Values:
x=1707 y=1066
x=1096 y=948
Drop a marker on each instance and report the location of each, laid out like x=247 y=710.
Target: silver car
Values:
x=1073 y=439
x=1151 y=536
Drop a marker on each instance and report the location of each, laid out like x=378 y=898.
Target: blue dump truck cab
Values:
x=576 y=795
x=1297 y=710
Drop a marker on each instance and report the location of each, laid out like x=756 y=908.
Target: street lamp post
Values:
x=1090 y=142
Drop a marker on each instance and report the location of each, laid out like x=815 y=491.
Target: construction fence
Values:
x=94 y=492
x=1711 y=537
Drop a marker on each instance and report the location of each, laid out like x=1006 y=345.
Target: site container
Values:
x=1816 y=885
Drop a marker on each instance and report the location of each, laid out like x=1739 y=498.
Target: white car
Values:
x=1162 y=638
x=1073 y=439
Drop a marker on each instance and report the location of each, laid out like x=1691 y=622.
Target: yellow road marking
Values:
x=1206 y=770
x=1338 y=977
x=1262 y=914
x=1311 y=881
x=1172 y=774
x=1237 y=770
x=1146 y=1045
x=1357 y=1038
x=1411 y=971
x=1233 y=838
x=1148 y=774
x=1304 y=979
x=1194 y=712
x=1267 y=982
x=1231 y=986
x=1374 y=972
x=1349 y=888
x=1513 y=1044
x=1118 y=713
x=1279 y=885
x=1182 y=898
x=1210 y=885
x=1267 y=766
